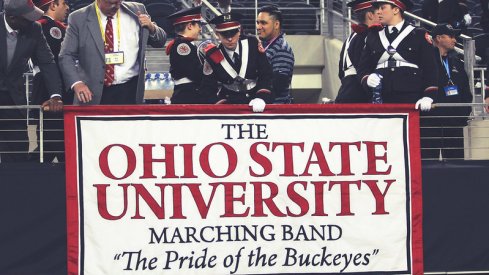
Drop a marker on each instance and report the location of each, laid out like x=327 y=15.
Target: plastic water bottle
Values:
x=167 y=81
x=377 y=94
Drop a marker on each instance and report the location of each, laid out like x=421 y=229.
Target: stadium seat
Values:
x=80 y=4
x=301 y=18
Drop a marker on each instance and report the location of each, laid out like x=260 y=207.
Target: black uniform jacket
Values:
x=185 y=63
x=258 y=69
x=402 y=84
x=351 y=91
x=54 y=31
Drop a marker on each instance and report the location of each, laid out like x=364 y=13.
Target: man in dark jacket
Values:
x=442 y=128
x=21 y=39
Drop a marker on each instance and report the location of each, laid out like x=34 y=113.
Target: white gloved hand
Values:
x=467 y=19
x=258 y=105
x=373 y=80
x=424 y=104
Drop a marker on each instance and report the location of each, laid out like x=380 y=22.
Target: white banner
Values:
x=244 y=194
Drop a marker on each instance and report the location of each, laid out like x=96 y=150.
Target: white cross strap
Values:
x=385 y=43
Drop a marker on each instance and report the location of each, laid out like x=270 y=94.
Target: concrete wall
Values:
x=316 y=67
x=477 y=140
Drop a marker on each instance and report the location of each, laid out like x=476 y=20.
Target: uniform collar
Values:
x=230 y=52
x=48 y=17
x=7 y=26
x=398 y=26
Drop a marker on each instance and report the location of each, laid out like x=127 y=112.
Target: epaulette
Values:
x=359 y=28
x=60 y=24
x=376 y=27
x=170 y=45
x=42 y=21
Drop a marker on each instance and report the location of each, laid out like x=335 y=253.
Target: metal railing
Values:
x=445 y=137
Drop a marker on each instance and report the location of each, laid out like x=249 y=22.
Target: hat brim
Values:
x=229 y=33
x=403 y=5
x=33 y=15
x=454 y=32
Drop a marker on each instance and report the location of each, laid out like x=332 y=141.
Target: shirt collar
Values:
x=231 y=53
x=7 y=26
x=398 y=26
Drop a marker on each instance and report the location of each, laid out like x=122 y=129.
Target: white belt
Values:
x=395 y=63
x=184 y=80
x=350 y=71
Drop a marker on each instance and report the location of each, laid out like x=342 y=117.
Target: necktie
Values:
x=109 y=47
x=393 y=34
x=237 y=61
x=11 y=44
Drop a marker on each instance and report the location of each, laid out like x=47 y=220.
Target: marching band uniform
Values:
x=237 y=80
x=404 y=60
x=54 y=31
x=351 y=91
x=185 y=66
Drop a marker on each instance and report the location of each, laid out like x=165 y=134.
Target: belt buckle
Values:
x=391 y=63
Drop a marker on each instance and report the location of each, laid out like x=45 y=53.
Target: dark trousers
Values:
x=14 y=142
x=186 y=94
x=351 y=91
x=120 y=94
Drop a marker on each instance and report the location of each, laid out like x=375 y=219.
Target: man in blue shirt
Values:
x=278 y=51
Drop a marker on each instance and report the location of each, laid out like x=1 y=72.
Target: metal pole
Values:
x=323 y=21
x=26 y=75
x=469 y=62
x=344 y=10
x=483 y=84
x=256 y=15
x=329 y=7
x=211 y=7
x=217 y=13
x=41 y=136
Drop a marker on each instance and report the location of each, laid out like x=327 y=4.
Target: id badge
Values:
x=451 y=90
x=114 y=58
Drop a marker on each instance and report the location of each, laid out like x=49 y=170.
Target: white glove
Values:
x=373 y=80
x=424 y=104
x=467 y=19
x=258 y=105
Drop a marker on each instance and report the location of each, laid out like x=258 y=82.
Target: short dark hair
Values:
x=179 y=28
x=273 y=11
x=360 y=16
